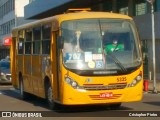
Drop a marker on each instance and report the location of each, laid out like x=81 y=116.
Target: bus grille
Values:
x=102 y=87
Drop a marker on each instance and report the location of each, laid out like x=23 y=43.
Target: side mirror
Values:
x=60 y=42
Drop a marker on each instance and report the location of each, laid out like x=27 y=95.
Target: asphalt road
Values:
x=10 y=101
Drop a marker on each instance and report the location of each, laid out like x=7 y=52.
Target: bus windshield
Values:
x=100 y=44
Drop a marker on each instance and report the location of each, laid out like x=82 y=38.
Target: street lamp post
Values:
x=153 y=45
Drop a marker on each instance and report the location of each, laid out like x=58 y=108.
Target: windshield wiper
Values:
x=118 y=63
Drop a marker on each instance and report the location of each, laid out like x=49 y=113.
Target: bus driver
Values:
x=114 y=46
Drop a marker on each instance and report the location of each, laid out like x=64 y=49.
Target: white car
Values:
x=5 y=74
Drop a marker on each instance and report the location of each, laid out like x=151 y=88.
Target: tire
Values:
x=23 y=95
x=49 y=97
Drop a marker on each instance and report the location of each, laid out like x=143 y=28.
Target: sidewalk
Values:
x=150 y=85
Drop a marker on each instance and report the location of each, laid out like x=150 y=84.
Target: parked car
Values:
x=7 y=58
x=5 y=74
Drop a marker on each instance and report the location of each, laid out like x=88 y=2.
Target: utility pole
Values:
x=153 y=45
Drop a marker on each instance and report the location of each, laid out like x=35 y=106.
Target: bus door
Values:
x=55 y=66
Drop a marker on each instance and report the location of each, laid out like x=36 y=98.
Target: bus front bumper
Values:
x=82 y=97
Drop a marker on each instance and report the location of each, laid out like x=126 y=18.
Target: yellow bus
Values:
x=65 y=59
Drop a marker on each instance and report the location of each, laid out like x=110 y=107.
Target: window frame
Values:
x=23 y=41
x=37 y=43
x=28 y=42
x=46 y=42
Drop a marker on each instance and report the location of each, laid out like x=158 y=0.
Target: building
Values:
x=140 y=10
x=11 y=15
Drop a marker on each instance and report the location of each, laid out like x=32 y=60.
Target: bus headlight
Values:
x=71 y=82
x=74 y=84
x=139 y=77
x=68 y=80
x=135 y=81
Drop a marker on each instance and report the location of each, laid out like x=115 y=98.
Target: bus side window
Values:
x=28 y=41
x=36 y=40
x=46 y=38
x=20 y=42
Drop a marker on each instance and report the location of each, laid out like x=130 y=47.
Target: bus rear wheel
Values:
x=49 y=97
x=23 y=94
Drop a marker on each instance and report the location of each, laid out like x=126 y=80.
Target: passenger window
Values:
x=28 y=42
x=20 y=42
x=36 y=40
x=46 y=38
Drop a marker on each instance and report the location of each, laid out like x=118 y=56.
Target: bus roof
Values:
x=71 y=16
x=81 y=15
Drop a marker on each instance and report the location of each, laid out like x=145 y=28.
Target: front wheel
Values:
x=49 y=97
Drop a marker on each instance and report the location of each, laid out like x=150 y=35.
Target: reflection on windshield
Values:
x=99 y=44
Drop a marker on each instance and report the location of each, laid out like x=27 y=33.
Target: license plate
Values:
x=106 y=95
